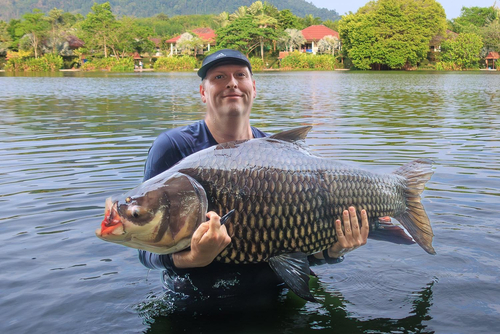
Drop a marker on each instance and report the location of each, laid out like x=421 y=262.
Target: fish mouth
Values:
x=112 y=224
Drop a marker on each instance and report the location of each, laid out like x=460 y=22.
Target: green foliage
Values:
x=109 y=64
x=182 y=63
x=446 y=66
x=473 y=16
x=98 y=27
x=5 y=38
x=303 y=61
x=392 y=33
x=46 y=63
x=287 y=20
x=34 y=26
x=463 y=52
x=241 y=34
x=491 y=36
x=257 y=64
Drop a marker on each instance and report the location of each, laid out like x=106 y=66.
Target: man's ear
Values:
x=254 y=89
x=202 y=93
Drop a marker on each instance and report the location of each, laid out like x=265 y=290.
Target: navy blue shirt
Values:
x=215 y=279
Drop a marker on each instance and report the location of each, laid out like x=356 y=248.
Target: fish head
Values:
x=159 y=216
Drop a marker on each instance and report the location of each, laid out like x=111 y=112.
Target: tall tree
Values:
x=243 y=34
x=286 y=20
x=56 y=20
x=264 y=21
x=99 y=26
x=129 y=37
x=5 y=38
x=34 y=26
x=392 y=33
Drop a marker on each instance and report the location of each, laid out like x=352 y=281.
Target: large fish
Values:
x=285 y=202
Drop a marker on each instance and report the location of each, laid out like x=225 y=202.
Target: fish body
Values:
x=285 y=201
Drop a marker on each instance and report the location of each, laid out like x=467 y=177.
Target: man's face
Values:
x=228 y=90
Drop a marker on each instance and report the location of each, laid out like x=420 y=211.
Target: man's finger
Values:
x=347 y=223
x=365 y=227
x=338 y=229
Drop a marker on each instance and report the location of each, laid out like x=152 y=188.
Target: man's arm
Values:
x=209 y=239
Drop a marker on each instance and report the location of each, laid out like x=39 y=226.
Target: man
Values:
x=228 y=90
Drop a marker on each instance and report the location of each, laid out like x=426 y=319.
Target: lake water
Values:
x=70 y=140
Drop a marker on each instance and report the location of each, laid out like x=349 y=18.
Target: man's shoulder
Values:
x=181 y=136
x=258 y=133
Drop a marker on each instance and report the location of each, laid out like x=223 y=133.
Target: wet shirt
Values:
x=215 y=279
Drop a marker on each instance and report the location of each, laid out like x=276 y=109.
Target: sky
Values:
x=451 y=7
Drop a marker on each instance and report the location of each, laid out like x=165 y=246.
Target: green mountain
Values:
x=14 y=9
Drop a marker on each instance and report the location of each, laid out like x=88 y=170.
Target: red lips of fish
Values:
x=111 y=220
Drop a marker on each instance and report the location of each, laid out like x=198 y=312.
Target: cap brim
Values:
x=202 y=72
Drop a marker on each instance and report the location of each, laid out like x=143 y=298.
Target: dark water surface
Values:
x=68 y=141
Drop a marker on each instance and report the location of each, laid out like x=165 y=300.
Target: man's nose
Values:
x=232 y=83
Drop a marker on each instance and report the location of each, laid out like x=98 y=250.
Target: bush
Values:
x=109 y=64
x=46 y=63
x=447 y=66
x=257 y=63
x=182 y=63
x=297 y=61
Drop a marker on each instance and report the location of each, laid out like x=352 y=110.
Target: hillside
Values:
x=14 y=9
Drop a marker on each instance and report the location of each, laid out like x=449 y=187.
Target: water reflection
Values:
x=70 y=140
x=287 y=314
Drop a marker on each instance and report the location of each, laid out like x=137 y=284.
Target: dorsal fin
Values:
x=294 y=134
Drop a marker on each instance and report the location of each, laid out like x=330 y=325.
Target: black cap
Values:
x=227 y=56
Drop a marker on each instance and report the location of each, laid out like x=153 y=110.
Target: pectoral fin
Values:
x=294 y=269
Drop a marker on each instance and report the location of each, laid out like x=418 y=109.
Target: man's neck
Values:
x=226 y=130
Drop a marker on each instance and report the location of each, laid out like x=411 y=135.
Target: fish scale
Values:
x=294 y=196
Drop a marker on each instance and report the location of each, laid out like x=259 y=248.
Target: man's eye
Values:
x=242 y=74
x=218 y=76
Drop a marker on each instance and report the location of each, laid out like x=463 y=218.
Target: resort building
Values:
x=207 y=35
x=314 y=34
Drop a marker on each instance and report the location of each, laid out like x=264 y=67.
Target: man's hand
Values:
x=351 y=237
x=209 y=239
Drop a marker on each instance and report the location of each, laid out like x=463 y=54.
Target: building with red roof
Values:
x=207 y=35
x=493 y=56
x=314 y=34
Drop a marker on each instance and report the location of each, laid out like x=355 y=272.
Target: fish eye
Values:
x=128 y=200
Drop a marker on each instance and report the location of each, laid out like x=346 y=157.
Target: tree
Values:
x=55 y=19
x=392 y=33
x=243 y=34
x=34 y=27
x=5 y=38
x=329 y=43
x=474 y=16
x=286 y=20
x=222 y=19
x=310 y=20
x=98 y=27
x=258 y=12
x=188 y=43
x=292 y=38
x=491 y=36
x=463 y=51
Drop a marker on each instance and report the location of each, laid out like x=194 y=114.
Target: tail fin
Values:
x=414 y=219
